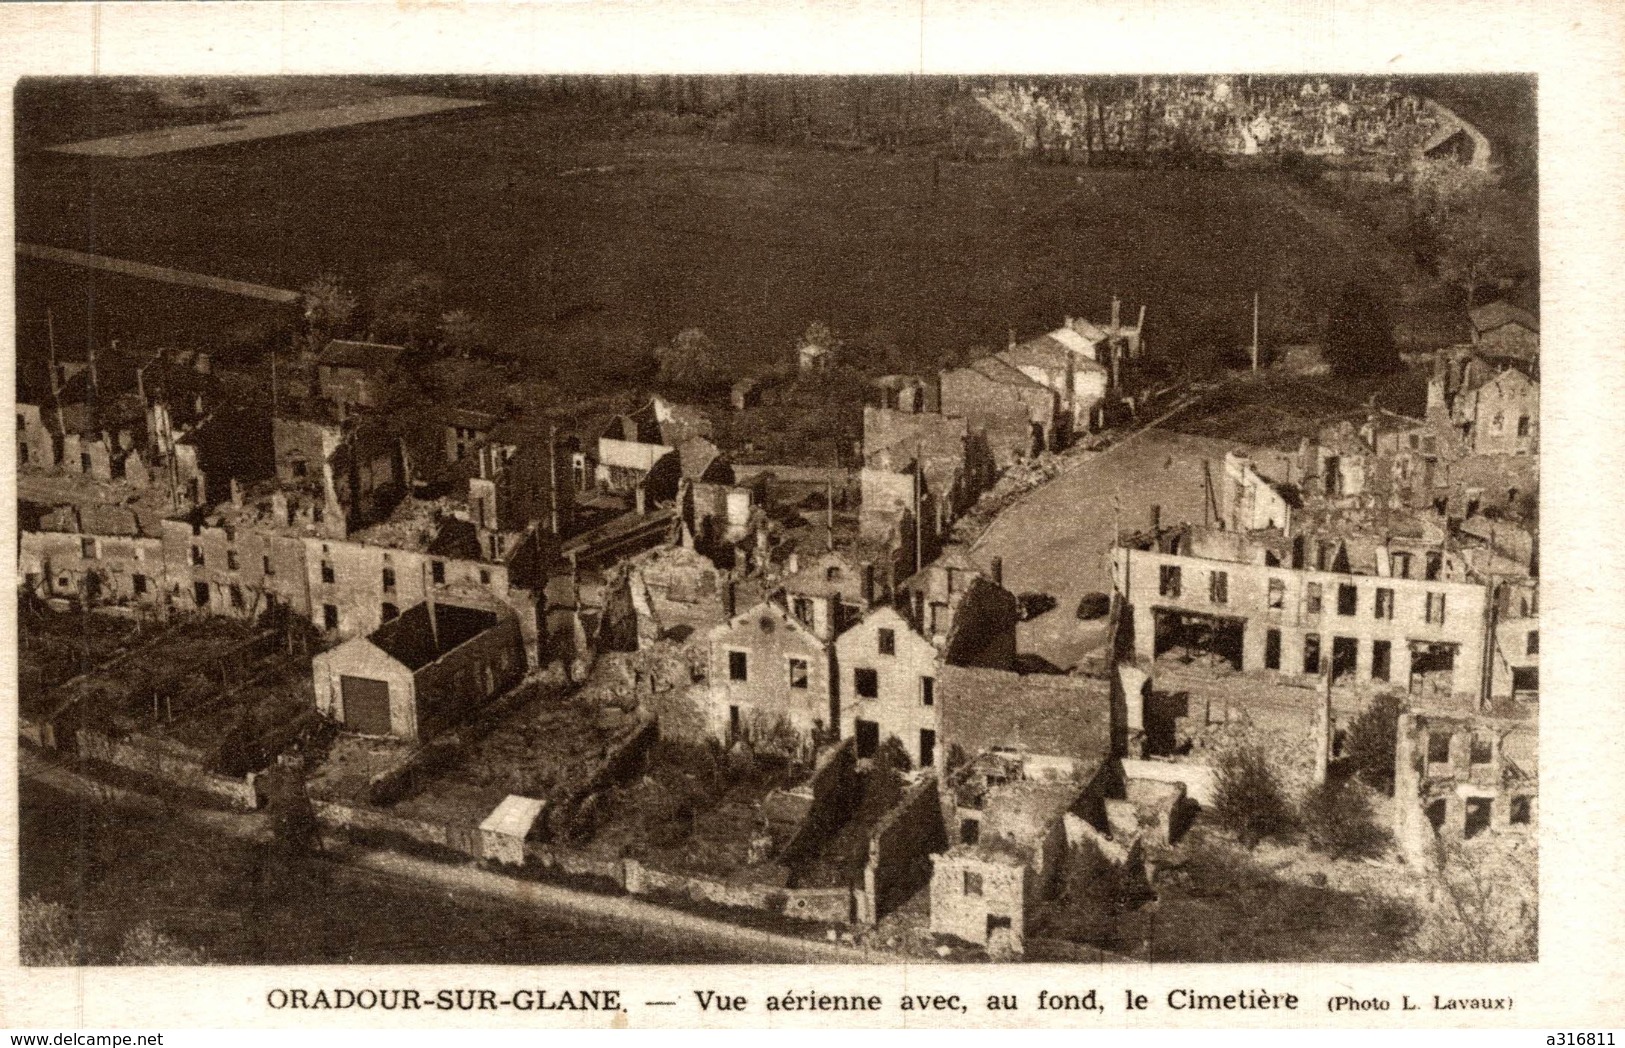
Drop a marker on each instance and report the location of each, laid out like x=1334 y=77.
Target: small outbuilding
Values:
x=504 y=831
x=419 y=672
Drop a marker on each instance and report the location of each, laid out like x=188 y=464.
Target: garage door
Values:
x=366 y=705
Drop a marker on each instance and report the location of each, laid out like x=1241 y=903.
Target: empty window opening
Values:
x=1435 y=609
x=389 y=580
x=1277 y=596
x=1384 y=607
x=888 y=642
x=1438 y=747
x=866 y=683
x=236 y=592
x=200 y=594
x=1381 y=659
x=1435 y=561
x=798 y=673
x=1522 y=811
x=1193 y=637
x=1168 y=580
x=1479 y=812
x=928 y=691
x=738 y=666
x=231 y=560
x=327 y=572
x=1435 y=812
x=437 y=571
x=928 y=748
x=1532 y=643
x=802 y=609
x=330 y=616
x=1272 y=650
x=1311 y=598
x=973 y=883
x=1218 y=587
x=970 y=831
x=1348 y=599
x=1345 y=657
x=868 y=737
x=1311 y=653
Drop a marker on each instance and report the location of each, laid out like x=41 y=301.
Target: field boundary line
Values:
x=162 y=274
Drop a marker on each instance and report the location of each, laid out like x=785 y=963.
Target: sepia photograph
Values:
x=719 y=519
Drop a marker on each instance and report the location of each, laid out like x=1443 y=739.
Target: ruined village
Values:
x=1094 y=635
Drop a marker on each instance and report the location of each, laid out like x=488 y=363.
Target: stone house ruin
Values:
x=889 y=673
x=1458 y=778
x=419 y=673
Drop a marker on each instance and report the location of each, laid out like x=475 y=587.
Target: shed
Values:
x=503 y=833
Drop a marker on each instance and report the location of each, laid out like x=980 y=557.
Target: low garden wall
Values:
x=171 y=762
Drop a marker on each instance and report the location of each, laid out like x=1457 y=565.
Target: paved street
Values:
x=1058 y=541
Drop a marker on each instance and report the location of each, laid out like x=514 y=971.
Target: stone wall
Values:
x=834 y=789
x=171 y=762
x=901 y=847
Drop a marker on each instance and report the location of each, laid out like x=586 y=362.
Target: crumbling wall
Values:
x=835 y=789
x=163 y=759
x=901 y=847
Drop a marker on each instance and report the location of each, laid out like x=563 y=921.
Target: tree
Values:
x=1477 y=230
x=1360 y=334
x=461 y=332
x=329 y=311
x=690 y=361
x=1249 y=801
x=1337 y=819
x=404 y=303
x=1371 y=742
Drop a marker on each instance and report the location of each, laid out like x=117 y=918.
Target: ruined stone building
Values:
x=1017 y=416
x=98 y=555
x=1246 y=606
x=353 y=374
x=1460 y=778
x=1009 y=816
x=1500 y=329
x=771 y=682
x=420 y=672
x=888 y=680
x=967 y=614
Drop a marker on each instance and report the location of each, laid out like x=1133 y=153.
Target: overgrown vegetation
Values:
x=1094 y=895
x=1249 y=800
x=1371 y=741
x=1336 y=818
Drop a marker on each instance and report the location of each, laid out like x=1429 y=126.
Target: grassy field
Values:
x=527 y=215
x=240 y=905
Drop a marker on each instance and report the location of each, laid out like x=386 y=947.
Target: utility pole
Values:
x=1255 y=330
x=553 y=478
x=56 y=392
x=919 y=551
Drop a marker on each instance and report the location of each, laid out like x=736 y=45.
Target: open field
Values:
x=528 y=216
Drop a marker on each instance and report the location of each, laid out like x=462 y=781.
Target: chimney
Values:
x=1156 y=517
x=1012 y=338
x=793 y=565
x=730 y=597
x=998 y=570
x=236 y=493
x=641 y=495
x=1117 y=306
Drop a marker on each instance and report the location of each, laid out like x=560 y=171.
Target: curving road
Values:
x=1058 y=539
